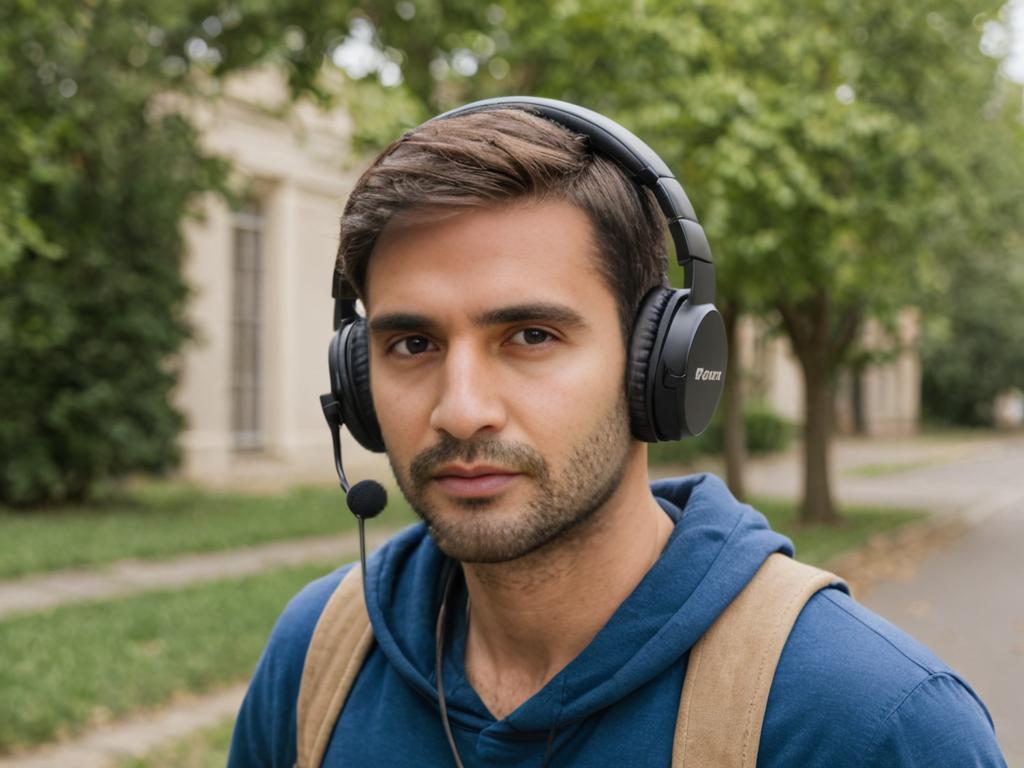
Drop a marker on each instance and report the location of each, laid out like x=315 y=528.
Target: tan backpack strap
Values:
x=731 y=667
x=339 y=646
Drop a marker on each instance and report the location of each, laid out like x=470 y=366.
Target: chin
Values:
x=488 y=533
x=480 y=530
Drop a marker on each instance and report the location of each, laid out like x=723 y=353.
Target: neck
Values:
x=532 y=616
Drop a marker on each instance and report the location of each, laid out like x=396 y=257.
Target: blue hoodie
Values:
x=850 y=688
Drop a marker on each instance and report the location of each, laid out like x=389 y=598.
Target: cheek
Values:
x=571 y=396
x=401 y=410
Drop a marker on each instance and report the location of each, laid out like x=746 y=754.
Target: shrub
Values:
x=766 y=432
x=96 y=183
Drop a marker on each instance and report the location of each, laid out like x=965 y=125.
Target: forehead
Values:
x=477 y=259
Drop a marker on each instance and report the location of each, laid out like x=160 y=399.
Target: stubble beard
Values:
x=560 y=504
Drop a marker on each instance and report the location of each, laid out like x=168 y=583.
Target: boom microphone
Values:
x=367 y=499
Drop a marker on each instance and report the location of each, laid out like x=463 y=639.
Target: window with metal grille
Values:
x=246 y=327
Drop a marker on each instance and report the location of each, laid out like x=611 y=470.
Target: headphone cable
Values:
x=439 y=664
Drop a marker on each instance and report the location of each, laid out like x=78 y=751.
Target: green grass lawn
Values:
x=159 y=520
x=819 y=544
x=91 y=662
x=892 y=467
x=80 y=664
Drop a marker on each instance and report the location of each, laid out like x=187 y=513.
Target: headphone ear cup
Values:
x=702 y=331
x=350 y=377
x=687 y=370
x=641 y=349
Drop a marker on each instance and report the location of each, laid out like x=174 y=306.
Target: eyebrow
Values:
x=536 y=312
x=398 y=322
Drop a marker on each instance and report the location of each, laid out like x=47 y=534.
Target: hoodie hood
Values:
x=716 y=547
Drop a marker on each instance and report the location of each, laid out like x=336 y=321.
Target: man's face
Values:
x=497 y=362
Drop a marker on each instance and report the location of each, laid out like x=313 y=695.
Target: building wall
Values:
x=890 y=388
x=292 y=166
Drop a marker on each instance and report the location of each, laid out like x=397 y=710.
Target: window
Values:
x=246 y=327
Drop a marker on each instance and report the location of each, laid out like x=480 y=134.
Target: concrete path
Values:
x=134 y=737
x=966 y=603
x=127 y=577
x=938 y=474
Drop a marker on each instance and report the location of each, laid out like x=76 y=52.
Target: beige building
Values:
x=262 y=308
x=261 y=301
x=883 y=399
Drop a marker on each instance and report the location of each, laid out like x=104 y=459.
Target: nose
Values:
x=469 y=402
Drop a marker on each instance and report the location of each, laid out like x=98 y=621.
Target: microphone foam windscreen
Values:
x=367 y=499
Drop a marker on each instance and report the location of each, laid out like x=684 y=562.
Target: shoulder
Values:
x=294 y=628
x=266 y=725
x=855 y=688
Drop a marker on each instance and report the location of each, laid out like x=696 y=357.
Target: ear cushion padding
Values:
x=641 y=347
x=361 y=416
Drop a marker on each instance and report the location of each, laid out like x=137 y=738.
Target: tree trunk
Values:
x=734 y=429
x=860 y=424
x=818 y=348
x=817 y=506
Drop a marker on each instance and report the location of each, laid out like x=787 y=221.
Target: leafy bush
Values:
x=972 y=348
x=97 y=181
x=766 y=432
x=684 y=451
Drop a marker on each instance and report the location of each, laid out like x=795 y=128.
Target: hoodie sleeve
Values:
x=265 y=731
x=939 y=724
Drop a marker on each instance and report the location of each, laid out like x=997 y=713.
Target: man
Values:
x=502 y=262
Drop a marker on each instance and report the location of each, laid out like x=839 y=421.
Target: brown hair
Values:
x=502 y=155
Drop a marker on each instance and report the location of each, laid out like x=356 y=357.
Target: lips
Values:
x=474 y=481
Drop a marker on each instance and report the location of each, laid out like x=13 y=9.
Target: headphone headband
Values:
x=644 y=167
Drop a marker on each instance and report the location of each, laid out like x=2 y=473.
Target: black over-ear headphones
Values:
x=677 y=353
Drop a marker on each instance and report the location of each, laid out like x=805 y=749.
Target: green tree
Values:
x=91 y=298
x=832 y=149
x=973 y=343
x=97 y=176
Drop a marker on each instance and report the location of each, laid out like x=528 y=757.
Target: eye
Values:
x=532 y=337
x=411 y=346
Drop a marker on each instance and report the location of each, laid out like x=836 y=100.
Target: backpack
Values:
x=724 y=695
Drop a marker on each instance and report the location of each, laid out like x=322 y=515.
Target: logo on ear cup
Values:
x=703 y=374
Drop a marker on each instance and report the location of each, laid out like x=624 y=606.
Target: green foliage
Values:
x=839 y=154
x=680 y=452
x=973 y=341
x=766 y=432
x=160 y=520
x=99 y=171
x=830 y=147
x=91 y=296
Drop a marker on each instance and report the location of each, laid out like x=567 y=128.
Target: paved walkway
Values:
x=966 y=602
x=964 y=596
x=963 y=600
x=940 y=474
x=135 y=736
x=127 y=577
